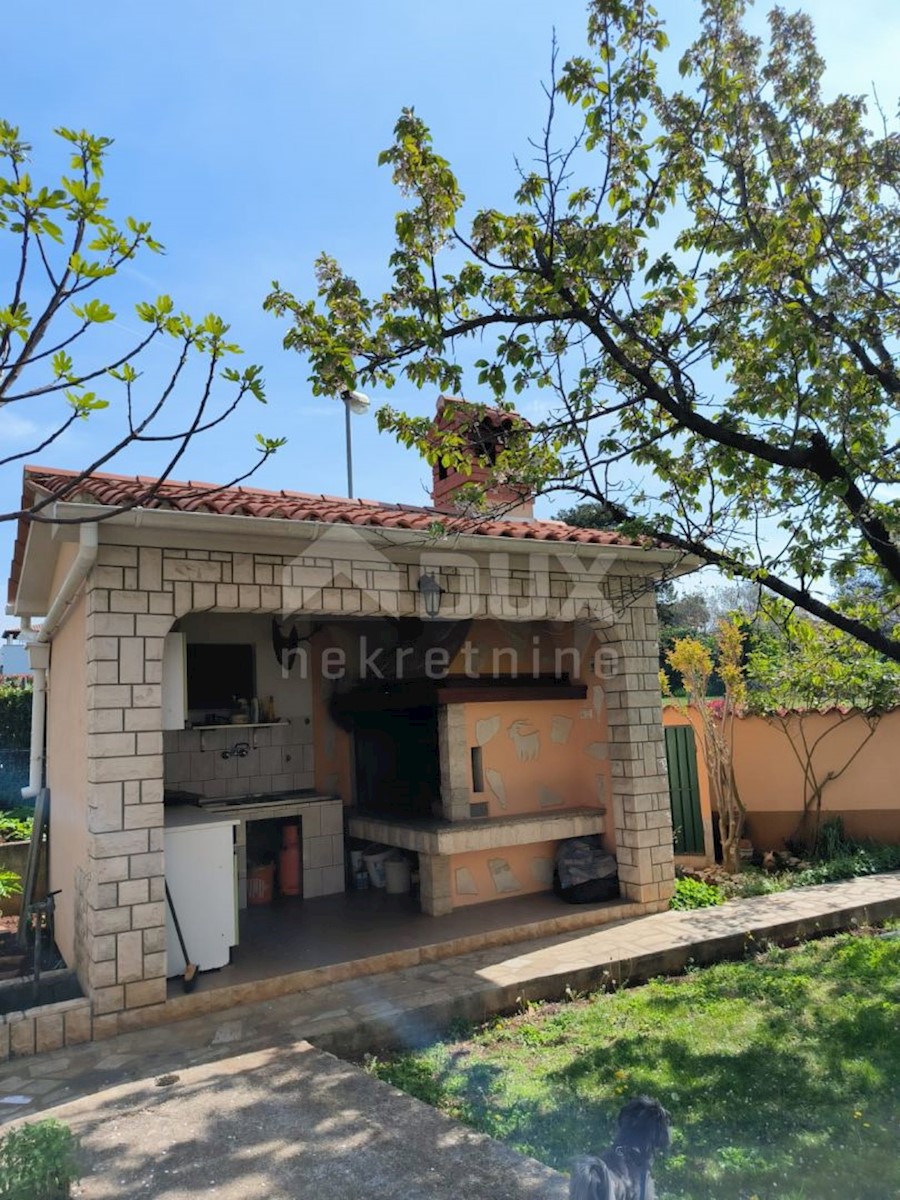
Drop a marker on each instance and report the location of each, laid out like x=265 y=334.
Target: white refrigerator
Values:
x=200 y=874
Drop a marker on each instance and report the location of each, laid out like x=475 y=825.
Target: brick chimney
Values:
x=487 y=431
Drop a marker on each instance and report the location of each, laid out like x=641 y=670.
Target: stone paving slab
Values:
x=415 y=1005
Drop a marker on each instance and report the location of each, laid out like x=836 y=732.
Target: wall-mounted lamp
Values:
x=431 y=592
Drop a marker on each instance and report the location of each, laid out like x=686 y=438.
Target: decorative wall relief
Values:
x=560 y=730
x=502 y=875
x=599 y=750
x=547 y=798
x=601 y=789
x=465 y=882
x=542 y=871
x=526 y=740
x=486 y=729
x=496 y=784
x=598 y=699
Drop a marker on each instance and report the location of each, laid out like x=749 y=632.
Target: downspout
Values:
x=39 y=658
x=39 y=652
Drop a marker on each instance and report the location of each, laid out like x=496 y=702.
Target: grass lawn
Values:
x=782 y=1074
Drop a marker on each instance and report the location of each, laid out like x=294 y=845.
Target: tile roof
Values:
x=136 y=491
x=143 y=492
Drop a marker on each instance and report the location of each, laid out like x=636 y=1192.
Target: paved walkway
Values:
x=287 y=1123
x=403 y=1007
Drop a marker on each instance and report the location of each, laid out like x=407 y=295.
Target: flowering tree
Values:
x=703 y=278
x=713 y=720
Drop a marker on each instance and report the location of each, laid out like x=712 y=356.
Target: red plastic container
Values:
x=290 y=865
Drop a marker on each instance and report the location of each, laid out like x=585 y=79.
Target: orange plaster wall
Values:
x=770 y=778
x=768 y=770
x=540 y=755
x=517 y=870
x=501 y=648
x=332 y=745
x=537 y=756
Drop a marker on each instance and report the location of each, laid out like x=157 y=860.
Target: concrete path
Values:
x=285 y=1123
x=404 y=1007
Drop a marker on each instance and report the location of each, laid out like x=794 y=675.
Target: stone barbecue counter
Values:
x=438 y=836
x=436 y=840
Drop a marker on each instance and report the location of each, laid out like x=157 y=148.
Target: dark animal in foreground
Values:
x=623 y=1171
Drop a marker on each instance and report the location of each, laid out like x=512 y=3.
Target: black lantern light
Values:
x=431 y=592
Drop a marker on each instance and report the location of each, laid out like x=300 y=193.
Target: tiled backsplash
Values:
x=280 y=757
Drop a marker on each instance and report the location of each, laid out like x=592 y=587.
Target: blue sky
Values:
x=249 y=134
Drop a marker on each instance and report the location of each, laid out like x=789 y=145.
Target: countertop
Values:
x=188 y=817
x=436 y=835
x=242 y=807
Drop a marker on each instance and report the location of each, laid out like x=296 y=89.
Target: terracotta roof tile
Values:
x=130 y=491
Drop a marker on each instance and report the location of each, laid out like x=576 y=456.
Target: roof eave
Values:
x=176 y=520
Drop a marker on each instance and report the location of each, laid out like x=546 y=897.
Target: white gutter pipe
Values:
x=39 y=651
x=39 y=657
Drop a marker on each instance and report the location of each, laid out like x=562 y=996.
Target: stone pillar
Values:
x=453 y=750
x=434 y=884
x=123 y=908
x=642 y=812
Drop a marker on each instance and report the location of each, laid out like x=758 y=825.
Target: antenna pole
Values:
x=349 y=447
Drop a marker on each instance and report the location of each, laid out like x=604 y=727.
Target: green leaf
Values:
x=97 y=312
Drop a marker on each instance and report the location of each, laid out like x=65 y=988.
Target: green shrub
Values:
x=852 y=859
x=694 y=893
x=16 y=825
x=15 y=716
x=878 y=858
x=866 y=859
x=38 y=1161
x=753 y=882
x=832 y=841
x=10 y=884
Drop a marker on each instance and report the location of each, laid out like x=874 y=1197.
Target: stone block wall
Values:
x=47 y=1027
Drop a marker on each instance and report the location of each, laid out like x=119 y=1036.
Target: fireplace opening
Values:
x=397 y=763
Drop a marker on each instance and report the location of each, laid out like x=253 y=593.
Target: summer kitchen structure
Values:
x=468 y=692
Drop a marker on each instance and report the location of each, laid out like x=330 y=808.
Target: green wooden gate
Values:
x=684 y=789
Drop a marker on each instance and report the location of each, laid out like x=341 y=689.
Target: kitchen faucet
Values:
x=238 y=750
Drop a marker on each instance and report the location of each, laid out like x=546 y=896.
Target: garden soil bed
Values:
x=57 y=983
x=12 y=957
